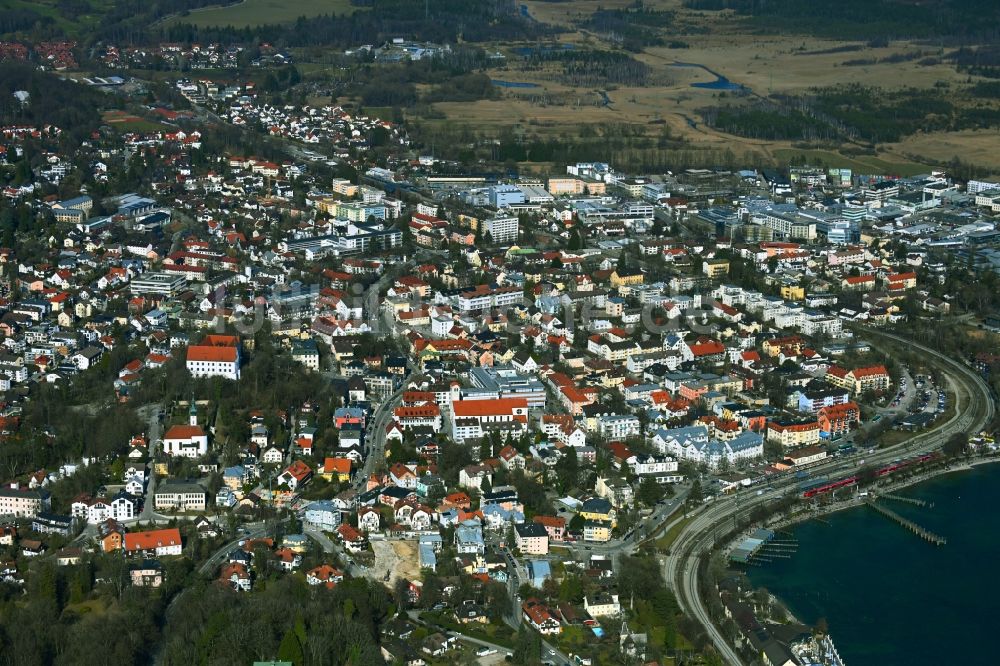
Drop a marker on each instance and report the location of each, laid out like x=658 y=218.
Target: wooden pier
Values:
x=926 y=535
x=908 y=500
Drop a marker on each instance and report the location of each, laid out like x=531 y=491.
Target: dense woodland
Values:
x=587 y=67
x=965 y=20
x=632 y=28
x=440 y=21
x=66 y=616
x=285 y=618
x=853 y=112
x=73 y=108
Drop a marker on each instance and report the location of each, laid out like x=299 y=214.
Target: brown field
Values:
x=764 y=64
x=978 y=147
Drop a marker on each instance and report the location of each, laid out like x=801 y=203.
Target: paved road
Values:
x=219 y=556
x=974 y=408
x=330 y=546
x=376 y=437
x=155 y=443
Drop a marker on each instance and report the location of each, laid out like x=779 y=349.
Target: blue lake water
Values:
x=891 y=598
x=513 y=84
x=720 y=82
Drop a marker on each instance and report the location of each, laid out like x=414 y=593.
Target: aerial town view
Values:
x=534 y=332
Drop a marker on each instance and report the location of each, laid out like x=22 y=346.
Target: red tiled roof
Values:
x=474 y=408
x=152 y=539
x=184 y=432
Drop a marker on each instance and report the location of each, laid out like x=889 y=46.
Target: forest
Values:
x=455 y=77
x=71 y=107
x=981 y=61
x=441 y=21
x=592 y=68
x=964 y=20
x=632 y=28
x=284 y=619
x=855 y=112
x=70 y=614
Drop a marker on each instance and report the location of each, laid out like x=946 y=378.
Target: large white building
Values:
x=215 y=356
x=502 y=229
x=472 y=419
x=618 y=426
x=157 y=284
x=174 y=495
x=693 y=443
x=484 y=297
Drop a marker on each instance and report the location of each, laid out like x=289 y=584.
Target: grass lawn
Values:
x=668 y=539
x=861 y=164
x=86 y=607
x=251 y=13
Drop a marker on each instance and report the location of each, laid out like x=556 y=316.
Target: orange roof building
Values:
x=215 y=356
x=157 y=542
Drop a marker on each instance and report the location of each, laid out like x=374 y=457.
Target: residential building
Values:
x=540 y=618
x=501 y=230
x=836 y=420
x=792 y=434
x=24 y=503
x=532 y=539
x=872 y=379
x=602 y=605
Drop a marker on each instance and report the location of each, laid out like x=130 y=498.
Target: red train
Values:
x=833 y=485
x=882 y=471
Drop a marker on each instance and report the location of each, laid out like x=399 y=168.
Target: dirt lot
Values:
x=397 y=557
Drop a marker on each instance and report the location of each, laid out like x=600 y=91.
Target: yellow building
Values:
x=793 y=293
x=627 y=277
x=600 y=510
x=560 y=186
x=715 y=268
x=597 y=531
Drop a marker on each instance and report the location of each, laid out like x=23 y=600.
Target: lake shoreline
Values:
x=839 y=563
x=907 y=483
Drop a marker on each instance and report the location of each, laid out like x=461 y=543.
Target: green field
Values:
x=49 y=8
x=859 y=164
x=251 y=13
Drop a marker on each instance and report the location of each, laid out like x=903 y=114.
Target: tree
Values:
x=291 y=649
x=650 y=492
x=956 y=445
x=696 y=495
x=568 y=470
x=401 y=590
x=527 y=647
x=575 y=240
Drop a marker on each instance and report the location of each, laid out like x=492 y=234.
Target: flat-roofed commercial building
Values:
x=158 y=284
